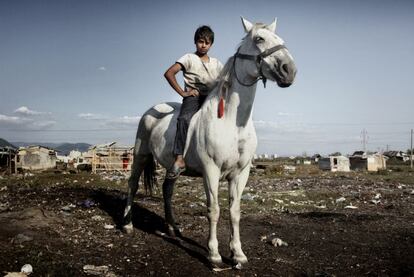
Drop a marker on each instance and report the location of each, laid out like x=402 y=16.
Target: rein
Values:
x=258 y=59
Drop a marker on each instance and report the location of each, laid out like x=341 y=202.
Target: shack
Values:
x=334 y=164
x=110 y=157
x=36 y=158
x=397 y=155
x=7 y=159
x=372 y=162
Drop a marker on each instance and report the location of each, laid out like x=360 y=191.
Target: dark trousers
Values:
x=189 y=107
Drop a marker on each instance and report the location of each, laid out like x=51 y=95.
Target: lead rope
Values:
x=223 y=94
x=220 y=110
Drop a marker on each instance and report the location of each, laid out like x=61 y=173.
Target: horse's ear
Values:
x=247 y=25
x=272 y=27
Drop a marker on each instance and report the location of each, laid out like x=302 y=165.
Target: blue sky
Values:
x=84 y=71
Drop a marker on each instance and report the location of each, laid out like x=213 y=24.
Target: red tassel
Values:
x=221 y=108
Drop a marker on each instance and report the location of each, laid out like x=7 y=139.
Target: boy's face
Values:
x=203 y=45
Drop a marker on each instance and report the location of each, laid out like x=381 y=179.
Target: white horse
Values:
x=217 y=147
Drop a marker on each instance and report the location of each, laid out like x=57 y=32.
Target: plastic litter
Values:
x=340 y=200
x=95 y=270
x=277 y=242
x=27 y=269
x=109 y=226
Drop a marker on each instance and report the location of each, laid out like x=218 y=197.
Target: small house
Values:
x=36 y=158
x=372 y=162
x=398 y=155
x=334 y=164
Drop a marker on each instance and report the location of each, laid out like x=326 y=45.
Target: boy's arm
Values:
x=170 y=76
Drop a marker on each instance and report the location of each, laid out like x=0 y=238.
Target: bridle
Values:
x=258 y=59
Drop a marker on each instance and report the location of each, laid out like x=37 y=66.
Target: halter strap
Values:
x=258 y=59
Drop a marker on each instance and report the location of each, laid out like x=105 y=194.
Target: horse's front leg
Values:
x=211 y=183
x=236 y=187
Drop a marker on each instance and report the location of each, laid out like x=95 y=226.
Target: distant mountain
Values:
x=65 y=148
x=46 y=144
x=62 y=148
x=5 y=143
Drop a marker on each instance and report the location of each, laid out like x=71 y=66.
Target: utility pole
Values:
x=411 y=148
x=364 y=139
x=10 y=165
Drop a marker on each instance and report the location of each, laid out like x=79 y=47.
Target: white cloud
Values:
x=102 y=68
x=25 y=123
x=124 y=120
x=25 y=111
x=13 y=120
x=91 y=116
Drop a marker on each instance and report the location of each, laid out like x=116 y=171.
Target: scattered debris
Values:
x=376 y=202
x=289 y=168
x=340 y=200
x=21 y=238
x=280 y=201
x=88 y=203
x=248 y=196
x=277 y=242
x=350 y=207
x=97 y=218
x=95 y=270
x=4 y=207
x=68 y=208
x=27 y=269
x=15 y=274
x=109 y=226
x=220 y=269
x=238 y=266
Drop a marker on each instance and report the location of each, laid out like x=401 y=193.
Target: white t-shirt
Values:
x=198 y=74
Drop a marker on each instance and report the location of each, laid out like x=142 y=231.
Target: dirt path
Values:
x=60 y=226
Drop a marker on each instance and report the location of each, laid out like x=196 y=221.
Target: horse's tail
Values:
x=150 y=180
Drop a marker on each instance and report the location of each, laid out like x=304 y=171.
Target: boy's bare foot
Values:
x=179 y=161
x=177 y=168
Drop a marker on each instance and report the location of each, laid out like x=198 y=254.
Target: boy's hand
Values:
x=192 y=92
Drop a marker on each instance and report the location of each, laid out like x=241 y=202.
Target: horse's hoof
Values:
x=173 y=231
x=216 y=260
x=240 y=260
x=128 y=229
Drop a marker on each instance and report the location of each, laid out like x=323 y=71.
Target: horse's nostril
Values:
x=285 y=68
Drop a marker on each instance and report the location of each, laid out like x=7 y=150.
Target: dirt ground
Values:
x=353 y=224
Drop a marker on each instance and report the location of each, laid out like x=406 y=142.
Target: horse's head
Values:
x=263 y=54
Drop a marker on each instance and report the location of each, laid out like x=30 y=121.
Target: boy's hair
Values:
x=204 y=32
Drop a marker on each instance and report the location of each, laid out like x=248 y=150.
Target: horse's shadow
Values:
x=149 y=222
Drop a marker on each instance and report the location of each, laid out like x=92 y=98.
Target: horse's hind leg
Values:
x=167 y=192
x=133 y=183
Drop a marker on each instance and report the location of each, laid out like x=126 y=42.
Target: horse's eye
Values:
x=258 y=39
